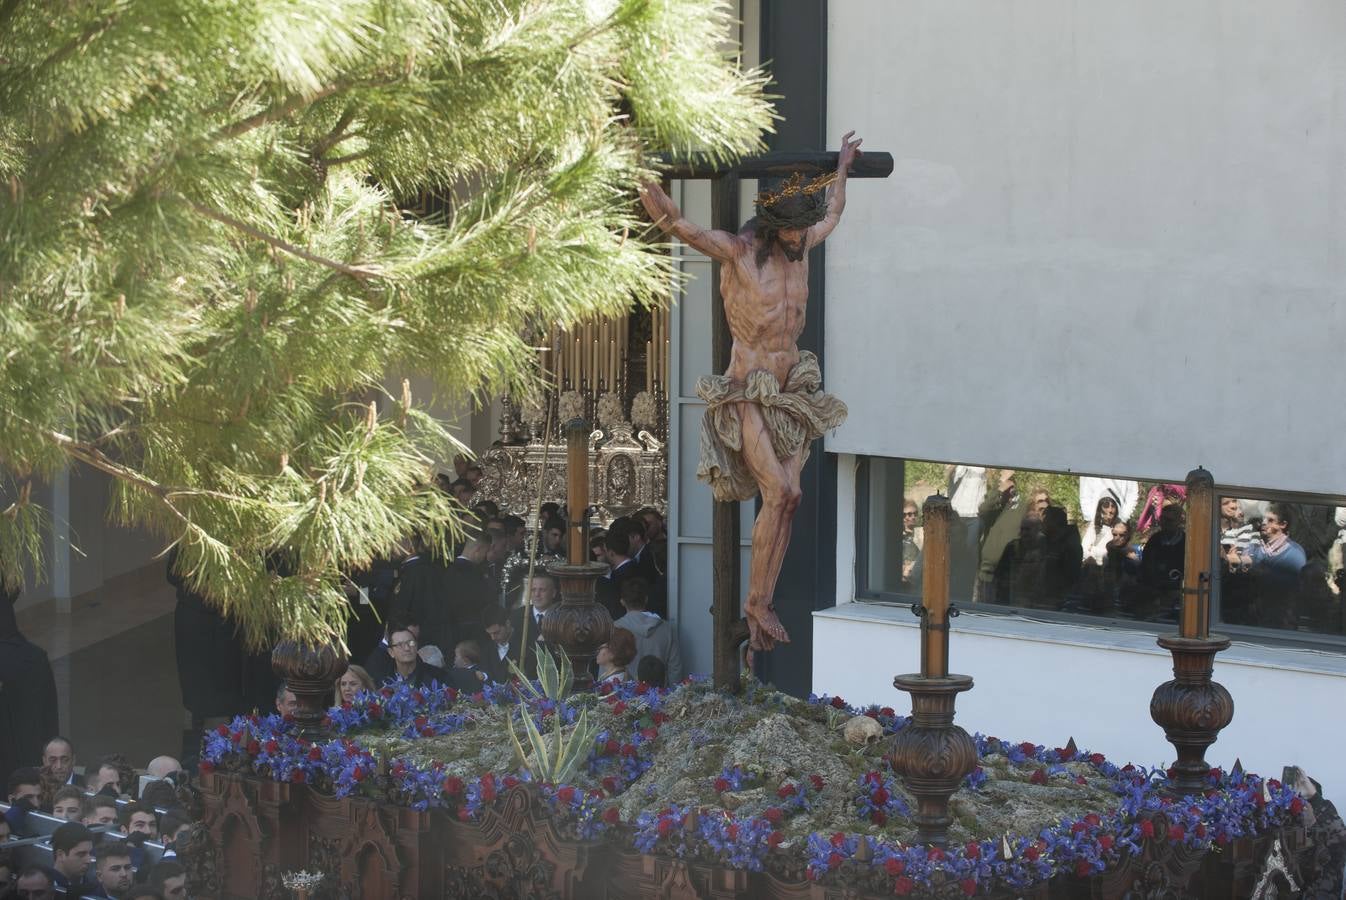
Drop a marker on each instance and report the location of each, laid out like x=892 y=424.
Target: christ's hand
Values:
x=850 y=149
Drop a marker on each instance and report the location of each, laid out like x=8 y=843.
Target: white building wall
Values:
x=1112 y=243
x=1113 y=240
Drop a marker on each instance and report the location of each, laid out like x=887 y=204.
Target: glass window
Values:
x=1109 y=548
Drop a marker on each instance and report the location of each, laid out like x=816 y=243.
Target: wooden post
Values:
x=1194 y=621
x=728 y=625
x=935 y=587
x=577 y=489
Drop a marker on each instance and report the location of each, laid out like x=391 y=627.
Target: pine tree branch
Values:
x=348 y=158
x=7 y=10
x=357 y=272
x=335 y=136
x=91 y=31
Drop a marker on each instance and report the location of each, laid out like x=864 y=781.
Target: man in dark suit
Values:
x=543 y=592
x=648 y=568
x=28 y=712
x=423 y=586
x=470 y=592
x=619 y=552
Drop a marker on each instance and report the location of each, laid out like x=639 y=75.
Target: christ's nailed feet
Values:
x=764 y=627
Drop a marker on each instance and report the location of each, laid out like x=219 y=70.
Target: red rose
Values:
x=478 y=697
x=1038 y=777
x=878 y=817
x=421 y=721
x=732 y=831
x=451 y=693
x=1147 y=829
x=1065 y=753
x=935 y=854
x=665 y=827
x=1077 y=827
x=1097 y=759
x=1031 y=853
x=816 y=781
x=399 y=769
x=773 y=839
x=628 y=749
x=206 y=767
x=610 y=784
x=773 y=815
x=463 y=814
x=1200 y=830
x=297 y=776
x=785 y=791
x=1079 y=779
x=315 y=753
x=972 y=850
x=1296 y=806
x=272 y=746
x=375 y=711
x=880 y=796
x=236 y=737
x=1082 y=868
x=565 y=794
x=619 y=707
x=1105 y=842
x=903 y=886
x=358 y=774
x=838 y=839
x=873 y=714
x=887 y=711
x=453 y=786
x=649 y=734
x=969 y=886
x=1258 y=800
x=894 y=866
x=511 y=782
x=611 y=747
x=1217 y=773
x=721 y=785
x=1177 y=833
x=1093 y=819
x=838 y=703
x=253 y=748
x=222 y=730
x=835 y=859
x=660 y=718
x=612 y=815
x=1028 y=749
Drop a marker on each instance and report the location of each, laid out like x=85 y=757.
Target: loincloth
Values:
x=796 y=414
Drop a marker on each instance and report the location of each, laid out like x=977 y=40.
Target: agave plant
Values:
x=556 y=756
x=555 y=677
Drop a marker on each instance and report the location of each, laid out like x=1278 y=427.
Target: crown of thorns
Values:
x=795 y=185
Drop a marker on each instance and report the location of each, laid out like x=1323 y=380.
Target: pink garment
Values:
x=1155 y=502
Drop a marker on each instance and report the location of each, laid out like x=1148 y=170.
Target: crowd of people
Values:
x=470 y=619
x=107 y=830
x=1280 y=564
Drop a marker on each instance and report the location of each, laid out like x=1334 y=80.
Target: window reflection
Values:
x=1106 y=547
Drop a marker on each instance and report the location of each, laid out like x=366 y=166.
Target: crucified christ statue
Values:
x=767 y=408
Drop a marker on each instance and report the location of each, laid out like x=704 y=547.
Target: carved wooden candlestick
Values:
x=310 y=673
x=1192 y=709
x=579 y=625
x=932 y=754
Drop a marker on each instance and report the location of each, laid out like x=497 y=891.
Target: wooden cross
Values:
x=729 y=627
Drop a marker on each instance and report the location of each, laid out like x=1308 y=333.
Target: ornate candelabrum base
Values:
x=579 y=625
x=932 y=754
x=1192 y=709
x=310 y=673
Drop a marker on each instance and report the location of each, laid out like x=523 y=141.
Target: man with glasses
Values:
x=407 y=663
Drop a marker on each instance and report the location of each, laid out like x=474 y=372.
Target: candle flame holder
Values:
x=1192 y=708
x=932 y=754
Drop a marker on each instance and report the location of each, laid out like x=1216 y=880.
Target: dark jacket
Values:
x=28 y=704
x=424 y=673
x=610 y=587
x=534 y=640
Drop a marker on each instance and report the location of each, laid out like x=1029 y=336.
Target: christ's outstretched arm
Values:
x=718 y=245
x=836 y=194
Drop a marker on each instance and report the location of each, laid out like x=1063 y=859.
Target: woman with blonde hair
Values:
x=355 y=680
